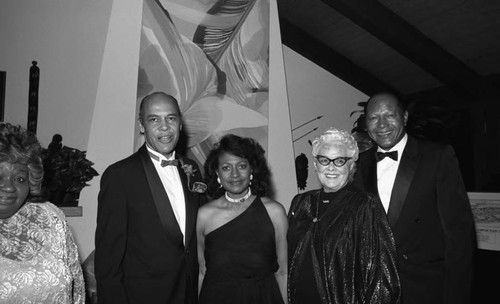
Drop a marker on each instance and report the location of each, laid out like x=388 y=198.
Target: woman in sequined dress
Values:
x=341 y=249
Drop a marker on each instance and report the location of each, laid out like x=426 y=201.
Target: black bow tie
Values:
x=164 y=163
x=173 y=162
x=392 y=154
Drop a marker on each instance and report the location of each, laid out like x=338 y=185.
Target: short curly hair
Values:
x=337 y=137
x=21 y=146
x=243 y=147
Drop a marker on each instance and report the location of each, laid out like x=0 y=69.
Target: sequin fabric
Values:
x=352 y=248
x=38 y=258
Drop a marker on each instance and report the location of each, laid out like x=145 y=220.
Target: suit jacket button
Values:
x=417 y=220
x=187 y=251
x=405 y=257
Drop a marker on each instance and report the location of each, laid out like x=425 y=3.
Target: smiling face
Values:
x=161 y=124
x=234 y=173
x=385 y=120
x=331 y=177
x=14 y=188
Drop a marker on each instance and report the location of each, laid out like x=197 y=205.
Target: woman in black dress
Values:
x=242 y=249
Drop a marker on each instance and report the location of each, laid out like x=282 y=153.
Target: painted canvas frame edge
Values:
x=486 y=211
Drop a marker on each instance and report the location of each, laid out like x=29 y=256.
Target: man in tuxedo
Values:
x=148 y=203
x=421 y=188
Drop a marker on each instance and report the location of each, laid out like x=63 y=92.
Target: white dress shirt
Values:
x=386 y=172
x=171 y=181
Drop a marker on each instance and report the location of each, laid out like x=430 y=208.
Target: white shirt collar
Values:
x=160 y=156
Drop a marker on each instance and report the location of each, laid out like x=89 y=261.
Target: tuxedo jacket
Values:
x=430 y=216
x=140 y=256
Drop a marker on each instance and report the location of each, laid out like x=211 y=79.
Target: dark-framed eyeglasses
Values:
x=337 y=162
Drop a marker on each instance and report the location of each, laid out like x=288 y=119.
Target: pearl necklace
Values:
x=241 y=199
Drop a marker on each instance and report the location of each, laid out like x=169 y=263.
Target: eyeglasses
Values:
x=337 y=162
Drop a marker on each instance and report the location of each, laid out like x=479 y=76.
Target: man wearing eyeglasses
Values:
x=421 y=188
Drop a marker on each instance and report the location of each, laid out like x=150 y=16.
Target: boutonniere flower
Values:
x=188 y=169
x=198 y=187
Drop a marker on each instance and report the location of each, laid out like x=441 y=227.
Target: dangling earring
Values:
x=251 y=178
x=218 y=180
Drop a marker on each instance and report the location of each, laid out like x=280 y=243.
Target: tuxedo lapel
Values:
x=371 y=173
x=190 y=208
x=160 y=198
x=404 y=177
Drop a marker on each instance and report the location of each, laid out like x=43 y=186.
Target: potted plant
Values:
x=67 y=171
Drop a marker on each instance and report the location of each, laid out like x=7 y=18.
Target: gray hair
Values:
x=157 y=94
x=333 y=136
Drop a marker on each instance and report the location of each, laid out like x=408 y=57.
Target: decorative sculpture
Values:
x=301 y=170
x=33 y=97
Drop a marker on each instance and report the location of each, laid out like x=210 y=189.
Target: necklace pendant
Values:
x=315 y=220
x=239 y=200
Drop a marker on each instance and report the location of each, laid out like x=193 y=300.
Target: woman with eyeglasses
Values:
x=340 y=246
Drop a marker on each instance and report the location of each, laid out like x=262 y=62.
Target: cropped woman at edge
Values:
x=38 y=257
